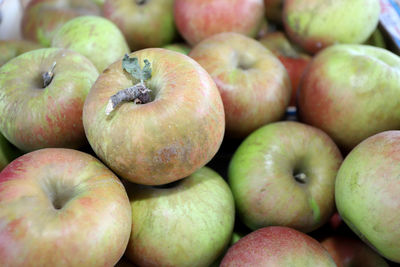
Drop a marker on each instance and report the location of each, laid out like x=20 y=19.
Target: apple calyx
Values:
x=48 y=75
x=138 y=93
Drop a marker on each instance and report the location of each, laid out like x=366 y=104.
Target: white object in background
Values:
x=11 y=15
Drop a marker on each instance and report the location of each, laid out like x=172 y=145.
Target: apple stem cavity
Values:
x=48 y=75
x=140 y=2
x=139 y=93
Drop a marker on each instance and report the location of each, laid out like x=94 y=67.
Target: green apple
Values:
x=367 y=192
x=316 y=24
x=187 y=223
x=254 y=85
x=62 y=207
x=178 y=47
x=284 y=174
x=144 y=23
x=95 y=37
x=42 y=93
x=351 y=92
x=8 y=152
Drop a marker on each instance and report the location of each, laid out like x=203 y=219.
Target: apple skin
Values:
x=366 y=192
x=35 y=117
x=11 y=48
x=199 y=19
x=277 y=246
x=189 y=223
x=166 y=139
x=294 y=60
x=7 y=152
x=316 y=24
x=62 y=207
x=147 y=24
x=253 y=83
x=347 y=252
x=91 y=36
x=178 y=47
x=351 y=92
x=42 y=18
x=262 y=173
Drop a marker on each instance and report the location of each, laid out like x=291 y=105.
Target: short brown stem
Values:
x=48 y=75
x=138 y=93
x=300 y=177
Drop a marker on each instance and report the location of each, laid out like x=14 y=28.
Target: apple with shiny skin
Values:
x=9 y=49
x=38 y=115
x=294 y=60
x=144 y=23
x=42 y=18
x=62 y=207
x=199 y=19
x=277 y=246
x=351 y=93
x=253 y=83
x=367 y=192
x=177 y=132
x=284 y=174
x=316 y=24
x=347 y=251
x=186 y=223
x=95 y=37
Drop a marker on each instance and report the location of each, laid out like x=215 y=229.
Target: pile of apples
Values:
x=198 y=133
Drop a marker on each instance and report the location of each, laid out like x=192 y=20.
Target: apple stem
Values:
x=138 y=93
x=140 y=2
x=48 y=75
x=300 y=177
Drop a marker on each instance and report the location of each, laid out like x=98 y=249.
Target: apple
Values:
x=377 y=39
x=95 y=37
x=178 y=47
x=186 y=223
x=40 y=112
x=11 y=48
x=351 y=92
x=277 y=246
x=8 y=152
x=42 y=18
x=253 y=83
x=366 y=192
x=294 y=60
x=144 y=23
x=198 y=19
x=347 y=251
x=316 y=24
x=284 y=174
x=273 y=10
x=174 y=129
x=62 y=207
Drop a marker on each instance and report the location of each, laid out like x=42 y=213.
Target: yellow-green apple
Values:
x=277 y=246
x=158 y=130
x=294 y=60
x=11 y=48
x=95 y=37
x=351 y=252
x=284 y=174
x=62 y=207
x=377 y=39
x=42 y=93
x=351 y=92
x=199 y=19
x=144 y=23
x=178 y=47
x=273 y=10
x=253 y=83
x=367 y=192
x=316 y=24
x=8 y=152
x=42 y=18
x=186 y=223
